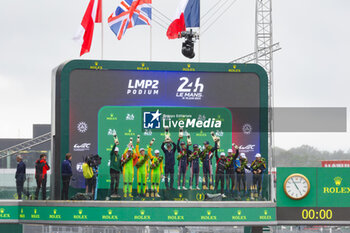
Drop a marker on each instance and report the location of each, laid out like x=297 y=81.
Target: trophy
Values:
x=167 y=134
x=152 y=141
x=215 y=138
x=235 y=146
x=130 y=142
x=138 y=139
x=181 y=132
x=189 y=142
x=116 y=140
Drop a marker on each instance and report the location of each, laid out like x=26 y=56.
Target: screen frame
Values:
x=60 y=99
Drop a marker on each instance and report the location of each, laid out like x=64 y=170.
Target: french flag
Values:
x=187 y=15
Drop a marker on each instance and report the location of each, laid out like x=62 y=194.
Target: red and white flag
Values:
x=86 y=30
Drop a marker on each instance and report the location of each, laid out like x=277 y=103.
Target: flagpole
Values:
x=150 y=42
x=101 y=30
x=199 y=44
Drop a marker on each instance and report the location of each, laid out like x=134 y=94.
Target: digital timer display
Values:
x=311 y=214
x=325 y=214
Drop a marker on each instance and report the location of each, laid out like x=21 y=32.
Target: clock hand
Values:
x=297 y=187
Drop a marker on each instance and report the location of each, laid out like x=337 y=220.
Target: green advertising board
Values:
x=98 y=213
x=328 y=200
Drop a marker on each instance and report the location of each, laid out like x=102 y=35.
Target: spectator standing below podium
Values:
x=41 y=168
x=21 y=177
x=66 y=169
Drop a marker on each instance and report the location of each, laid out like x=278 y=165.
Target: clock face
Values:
x=296 y=186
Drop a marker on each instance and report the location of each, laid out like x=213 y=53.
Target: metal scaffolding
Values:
x=25 y=145
x=264 y=42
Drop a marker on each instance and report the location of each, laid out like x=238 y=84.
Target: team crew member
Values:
x=194 y=162
x=66 y=169
x=142 y=168
x=258 y=167
x=220 y=171
x=20 y=177
x=115 y=169
x=156 y=172
x=128 y=169
x=41 y=168
x=206 y=156
x=169 y=153
x=182 y=158
x=241 y=177
x=231 y=165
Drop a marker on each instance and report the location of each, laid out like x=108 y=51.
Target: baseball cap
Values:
x=229 y=151
x=195 y=146
x=156 y=151
x=116 y=149
x=258 y=155
x=142 y=149
x=242 y=154
x=182 y=143
x=206 y=143
x=222 y=154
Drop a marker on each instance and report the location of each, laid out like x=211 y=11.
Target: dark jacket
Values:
x=21 y=171
x=115 y=160
x=66 y=168
x=234 y=164
x=169 y=155
x=207 y=154
x=41 y=168
x=220 y=164
x=185 y=154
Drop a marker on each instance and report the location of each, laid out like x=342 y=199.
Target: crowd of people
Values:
x=153 y=165
x=230 y=172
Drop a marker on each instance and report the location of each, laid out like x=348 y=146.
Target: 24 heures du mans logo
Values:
x=190 y=90
x=143 y=87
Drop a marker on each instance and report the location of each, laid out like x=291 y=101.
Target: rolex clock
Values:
x=296 y=186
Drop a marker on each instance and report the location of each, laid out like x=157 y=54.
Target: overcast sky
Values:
x=311 y=70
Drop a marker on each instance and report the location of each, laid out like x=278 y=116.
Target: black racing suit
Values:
x=220 y=172
x=183 y=153
x=169 y=164
x=194 y=161
x=257 y=177
x=241 y=177
x=206 y=156
x=230 y=172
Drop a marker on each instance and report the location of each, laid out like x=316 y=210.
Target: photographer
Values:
x=88 y=175
x=90 y=172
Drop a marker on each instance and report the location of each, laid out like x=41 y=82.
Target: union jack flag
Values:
x=130 y=13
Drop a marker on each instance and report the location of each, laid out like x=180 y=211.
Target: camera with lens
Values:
x=188 y=45
x=94 y=160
